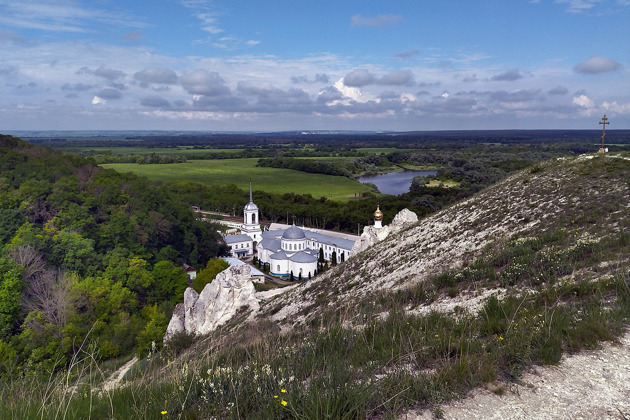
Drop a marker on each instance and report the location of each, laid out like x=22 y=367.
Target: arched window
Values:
x=300 y=271
x=278 y=268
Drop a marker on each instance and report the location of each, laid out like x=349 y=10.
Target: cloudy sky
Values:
x=284 y=65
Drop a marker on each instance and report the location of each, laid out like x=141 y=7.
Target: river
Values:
x=394 y=183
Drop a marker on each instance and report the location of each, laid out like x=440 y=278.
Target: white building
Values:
x=240 y=245
x=244 y=244
x=251 y=220
x=287 y=249
x=296 y=250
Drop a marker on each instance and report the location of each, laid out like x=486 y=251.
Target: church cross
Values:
x=603 y=122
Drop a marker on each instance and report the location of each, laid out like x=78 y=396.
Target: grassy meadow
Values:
x=243 y=171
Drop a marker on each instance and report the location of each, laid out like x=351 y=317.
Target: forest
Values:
x=88 y=258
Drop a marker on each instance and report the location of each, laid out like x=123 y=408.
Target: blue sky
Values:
x=285 y=65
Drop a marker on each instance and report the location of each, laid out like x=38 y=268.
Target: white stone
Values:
x=373 y=234
x=217 y=303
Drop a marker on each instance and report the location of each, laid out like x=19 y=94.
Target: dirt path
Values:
x=588 y=385
x=115 y=378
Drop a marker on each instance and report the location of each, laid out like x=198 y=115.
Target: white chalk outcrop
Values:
x=217 y=303
x=372 y=234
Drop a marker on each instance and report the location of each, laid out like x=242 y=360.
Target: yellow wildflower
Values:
x=275 y=396
x=283 y=390
x=164 y=412
x=283 y=402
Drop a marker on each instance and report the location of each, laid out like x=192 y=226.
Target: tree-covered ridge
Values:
x=87 y=253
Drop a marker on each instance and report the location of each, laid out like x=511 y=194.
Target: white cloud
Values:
x=60 y=16
x=597 y=64
x=583 y=101
x=203 y=82
x=97 y=100
x=508 y=76
x=156 y=75
x=203 y=11
x=616 y=108
x=353 y=93
x=578 y=6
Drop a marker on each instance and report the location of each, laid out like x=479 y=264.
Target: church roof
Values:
x=293 y=232
x=330 y=240
x=271 y=244
x=303 y=257
x=279 y=256
x=231 y=239
x=250 y=206
x=322 y=238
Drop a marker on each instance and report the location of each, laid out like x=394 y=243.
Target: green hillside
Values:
x=89 y=258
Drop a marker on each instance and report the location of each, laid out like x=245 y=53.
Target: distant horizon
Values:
x=307 y=132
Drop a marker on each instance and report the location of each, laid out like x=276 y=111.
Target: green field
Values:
x=180 y=150
x=242 y=171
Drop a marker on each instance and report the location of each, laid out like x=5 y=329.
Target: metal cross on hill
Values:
x=603 y=122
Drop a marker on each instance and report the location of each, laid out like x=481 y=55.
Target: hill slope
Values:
x=587 y=197
x=531 y=268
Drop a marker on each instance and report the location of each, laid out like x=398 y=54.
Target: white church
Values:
x=245 y=243
x=287 y=249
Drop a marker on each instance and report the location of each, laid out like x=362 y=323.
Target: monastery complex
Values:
x=291 y=249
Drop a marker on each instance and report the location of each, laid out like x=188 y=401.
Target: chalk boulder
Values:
x=217 y=303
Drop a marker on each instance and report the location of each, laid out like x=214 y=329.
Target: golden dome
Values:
x=378 y=214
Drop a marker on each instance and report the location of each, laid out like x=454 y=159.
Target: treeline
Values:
x=352 y=167
x=88 y=257
x=338 y=140
x=305 y=165
x=101 y=158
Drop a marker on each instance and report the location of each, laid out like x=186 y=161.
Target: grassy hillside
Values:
x=243 y=171
x=533 y=267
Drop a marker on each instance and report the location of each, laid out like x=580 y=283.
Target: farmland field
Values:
x=241 y=171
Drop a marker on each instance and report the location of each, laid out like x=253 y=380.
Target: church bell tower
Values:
x=251 y=221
